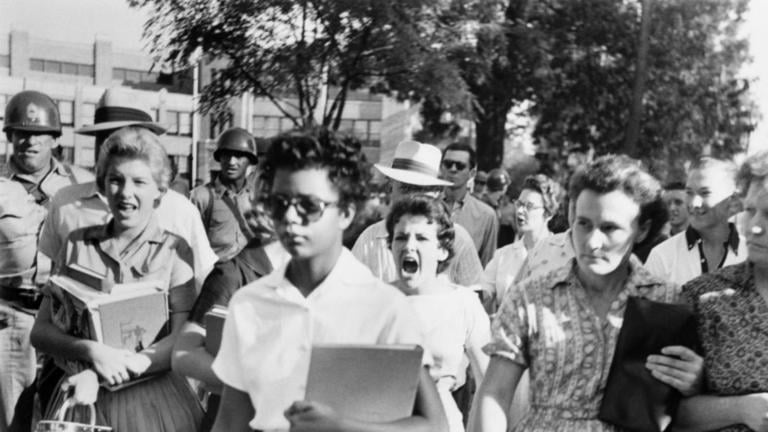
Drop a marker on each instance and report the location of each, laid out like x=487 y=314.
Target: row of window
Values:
x=65 y=68
x=134 y=76
x=86 y=70
x=367 y=131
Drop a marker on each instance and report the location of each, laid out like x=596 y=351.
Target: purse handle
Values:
x=70 y=403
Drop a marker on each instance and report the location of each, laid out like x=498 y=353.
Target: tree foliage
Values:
x=292 y=52
x=574 y=61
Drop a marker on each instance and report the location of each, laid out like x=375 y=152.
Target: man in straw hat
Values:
x=84 y=205
x=414 y=170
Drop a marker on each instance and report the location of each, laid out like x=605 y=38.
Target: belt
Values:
x=25 y=298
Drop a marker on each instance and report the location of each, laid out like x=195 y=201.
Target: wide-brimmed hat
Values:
x=117 y=109
x=415 y=163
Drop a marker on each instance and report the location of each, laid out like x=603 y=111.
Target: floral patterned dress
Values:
x=732 y=320
x=548 y=325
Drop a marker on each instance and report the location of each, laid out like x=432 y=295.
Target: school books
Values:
x=131 y=316
x=214 y=327
x=365 y=382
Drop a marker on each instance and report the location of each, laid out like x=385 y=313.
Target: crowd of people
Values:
x=518 y=320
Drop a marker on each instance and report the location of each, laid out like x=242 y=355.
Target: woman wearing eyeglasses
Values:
x=534 y=207
x=322 y=295
x=420 y=234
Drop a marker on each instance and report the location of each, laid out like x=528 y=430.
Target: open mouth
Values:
x=410 y=265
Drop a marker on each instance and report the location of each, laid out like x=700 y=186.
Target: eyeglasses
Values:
x=309 y=208
x=447 y=164
x=528 y=206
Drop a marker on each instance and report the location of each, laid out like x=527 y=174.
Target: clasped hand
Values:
x=306 y=416
x=678 y=366
x=116 y=366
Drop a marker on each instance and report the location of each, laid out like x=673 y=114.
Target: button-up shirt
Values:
x=42 y=191
x=371 y=249
x=271 y=327
x=227 y=229
x=82 y=205
x=480 y=221
x=680 y=259
x=551 y=253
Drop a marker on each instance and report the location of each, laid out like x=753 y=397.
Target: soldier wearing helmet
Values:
x=225 y=204
x=33 y=126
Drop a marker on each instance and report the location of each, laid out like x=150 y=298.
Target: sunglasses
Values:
x=308 y=207
x=447 y=164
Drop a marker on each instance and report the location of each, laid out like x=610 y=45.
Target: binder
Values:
x=214 y=327
x=365 y=382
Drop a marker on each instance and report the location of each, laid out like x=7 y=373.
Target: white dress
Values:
x=452 y=321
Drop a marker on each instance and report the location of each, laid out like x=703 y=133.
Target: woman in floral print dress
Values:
x=563 y=326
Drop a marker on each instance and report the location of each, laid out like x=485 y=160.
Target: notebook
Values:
x=214 y=327
x=365 y=382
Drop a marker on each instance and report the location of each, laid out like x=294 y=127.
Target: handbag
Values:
x=634 y=400
x=61 y=425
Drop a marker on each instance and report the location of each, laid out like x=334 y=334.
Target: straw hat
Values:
x=415 y=163
x=119 y=108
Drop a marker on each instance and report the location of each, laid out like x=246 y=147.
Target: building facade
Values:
x=76 y=75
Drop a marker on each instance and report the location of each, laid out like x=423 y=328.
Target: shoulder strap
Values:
x=208 y=214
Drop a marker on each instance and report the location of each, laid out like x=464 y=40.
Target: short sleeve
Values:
x=227 y=365
x=511 y=328
x=218 y=289
x=181 y=294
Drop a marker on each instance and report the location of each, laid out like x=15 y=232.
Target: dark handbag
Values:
x=634 y=400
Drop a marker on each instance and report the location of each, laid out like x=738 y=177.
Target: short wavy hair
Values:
x=754 y=169
x=134 y=143
x=622 y=173
x=435 y=211
x=550 y=191
x=340 y=156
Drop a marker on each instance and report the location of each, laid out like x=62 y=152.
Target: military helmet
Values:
x=237 y=140
x=32 y=111
x=497 y=180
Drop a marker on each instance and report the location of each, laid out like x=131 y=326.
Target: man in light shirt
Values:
x=711 y=241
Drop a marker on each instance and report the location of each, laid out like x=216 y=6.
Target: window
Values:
x=172 y=121
x=5 y=60
x=85 y=70
x=66 y=112
x=51 y=66
x=185 y=124
x=36 y=65
x=87 y=113
x=134 y=75
x=3 y=101
x=69 y=68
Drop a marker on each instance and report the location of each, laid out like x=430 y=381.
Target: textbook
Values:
x=214 y=327
x=365 y=382
x=131 y=316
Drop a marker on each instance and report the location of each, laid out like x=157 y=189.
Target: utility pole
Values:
x=641 y=70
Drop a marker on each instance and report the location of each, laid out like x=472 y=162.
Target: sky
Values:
x=85 y=20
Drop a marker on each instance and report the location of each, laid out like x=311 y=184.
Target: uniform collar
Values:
x=692 y=238
x=56 y=167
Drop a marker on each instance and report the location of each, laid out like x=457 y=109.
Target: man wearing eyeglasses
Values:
x=458 y=167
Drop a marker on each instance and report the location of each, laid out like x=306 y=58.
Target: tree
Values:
x=304 y=56
x=574 y=62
